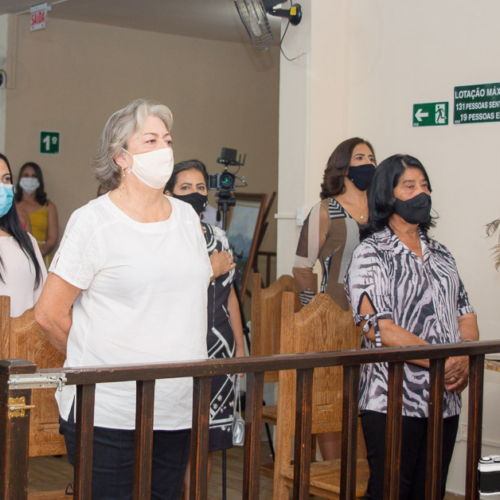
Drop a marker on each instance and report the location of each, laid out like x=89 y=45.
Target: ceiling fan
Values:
x=253 y=14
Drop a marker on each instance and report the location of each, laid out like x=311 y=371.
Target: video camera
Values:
x=225 y=181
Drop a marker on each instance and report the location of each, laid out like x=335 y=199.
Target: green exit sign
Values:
x=430 y=114
x=49 y=143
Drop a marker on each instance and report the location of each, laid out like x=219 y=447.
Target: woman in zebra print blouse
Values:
x=404 y=289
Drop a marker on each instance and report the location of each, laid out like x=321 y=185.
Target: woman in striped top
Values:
x=330 y=234
x=404 y=289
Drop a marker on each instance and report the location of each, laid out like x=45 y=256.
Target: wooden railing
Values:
x=14 y=430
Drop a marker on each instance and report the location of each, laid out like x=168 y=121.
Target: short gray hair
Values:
x=118 y=131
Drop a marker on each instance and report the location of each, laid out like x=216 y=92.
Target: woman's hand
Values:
x=456 y=373
x=222 y=263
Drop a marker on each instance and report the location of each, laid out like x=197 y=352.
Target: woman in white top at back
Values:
x=22 y=272
x=136 y=266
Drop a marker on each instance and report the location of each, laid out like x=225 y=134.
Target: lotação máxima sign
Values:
x=477 y=103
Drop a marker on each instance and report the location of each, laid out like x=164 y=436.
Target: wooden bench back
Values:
x=23 y=338
x=266 y=316
x=320 y=326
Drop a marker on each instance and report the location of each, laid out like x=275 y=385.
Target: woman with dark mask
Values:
x=330 y=234
x=225 y=333
x=404 y=290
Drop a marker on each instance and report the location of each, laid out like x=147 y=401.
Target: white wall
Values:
x=368 y=63
x=71 y=76
x=3 y=66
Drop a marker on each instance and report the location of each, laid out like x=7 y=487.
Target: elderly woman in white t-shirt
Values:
x=134 y=265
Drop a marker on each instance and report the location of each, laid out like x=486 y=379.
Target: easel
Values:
x=268 y=255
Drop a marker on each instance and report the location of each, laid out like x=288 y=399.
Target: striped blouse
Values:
x=329 y=234
x=425 y=297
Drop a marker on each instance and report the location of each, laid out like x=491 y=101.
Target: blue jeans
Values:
x=113 y=466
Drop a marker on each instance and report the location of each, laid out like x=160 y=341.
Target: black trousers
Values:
x=113 y=466
x=413 y=454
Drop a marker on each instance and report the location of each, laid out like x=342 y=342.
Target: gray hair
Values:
x=118 y=131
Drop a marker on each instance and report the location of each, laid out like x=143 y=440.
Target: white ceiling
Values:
x=208 y=19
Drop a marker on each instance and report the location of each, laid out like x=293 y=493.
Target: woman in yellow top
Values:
x=31 y=198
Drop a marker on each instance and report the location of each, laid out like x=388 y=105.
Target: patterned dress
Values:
x=220 y=344
x=327 y=218
x=425 y=297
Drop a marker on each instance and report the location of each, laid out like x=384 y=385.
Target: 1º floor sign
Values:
x=430 y=114
x=49 y=143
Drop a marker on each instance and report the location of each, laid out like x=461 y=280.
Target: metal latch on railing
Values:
x=18 y=407
x=37 y=381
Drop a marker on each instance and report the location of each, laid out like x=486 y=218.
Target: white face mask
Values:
x=153 y=168
x=29 y=184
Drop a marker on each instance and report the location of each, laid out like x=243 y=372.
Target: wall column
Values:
x=313 y=99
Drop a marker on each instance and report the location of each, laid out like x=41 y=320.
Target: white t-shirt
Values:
x=143 y=300
x=18 y=273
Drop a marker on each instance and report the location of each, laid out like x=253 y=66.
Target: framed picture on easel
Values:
x=243 y=230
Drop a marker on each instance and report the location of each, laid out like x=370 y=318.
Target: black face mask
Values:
x=196 y=200
x=416 y=210
x=361 y=176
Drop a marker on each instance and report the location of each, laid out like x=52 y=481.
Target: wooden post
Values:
x=84 y=441
x=475 y=422
x=199 y=437
x=435 y=430
x=393 y=431
x=143 y=446
x=303 y=427
x=253 y=434
x=349 y=432
x=14 y=432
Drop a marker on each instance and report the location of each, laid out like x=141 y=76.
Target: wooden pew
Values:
x=23 y=338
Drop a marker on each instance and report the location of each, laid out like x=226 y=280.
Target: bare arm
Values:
x=52 y=311
x=235 y=316
x=52 y=230
x=311 y=242
x=467 y=324
x=457 y=368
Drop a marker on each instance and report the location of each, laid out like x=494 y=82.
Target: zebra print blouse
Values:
x=425 y=297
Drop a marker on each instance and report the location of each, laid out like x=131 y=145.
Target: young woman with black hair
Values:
x=404 y=290
x=331 y=230
x=330 y=234
x=22 y=273
x=31 y=199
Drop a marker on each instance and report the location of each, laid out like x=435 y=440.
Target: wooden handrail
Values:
x=254 y=364
x=13 y=479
